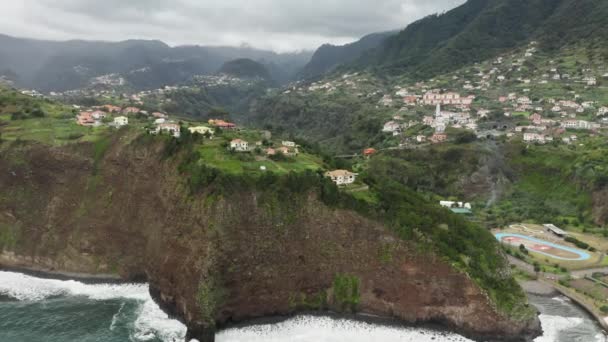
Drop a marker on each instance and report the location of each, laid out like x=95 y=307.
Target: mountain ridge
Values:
x=328 y=56
x=66 y=65
x=479 y=30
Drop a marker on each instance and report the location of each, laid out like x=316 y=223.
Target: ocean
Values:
x=34 y=309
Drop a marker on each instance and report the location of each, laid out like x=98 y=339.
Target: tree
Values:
x=537 y=268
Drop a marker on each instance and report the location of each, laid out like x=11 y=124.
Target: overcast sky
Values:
x=281 y=25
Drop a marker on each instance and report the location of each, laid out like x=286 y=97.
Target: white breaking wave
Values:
x=561 y=299
x=151 y=321
x=26 y=288
x=324 y=329
x=115 y=317
x=553 y=325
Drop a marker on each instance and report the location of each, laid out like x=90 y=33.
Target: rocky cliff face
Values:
x=213 y=260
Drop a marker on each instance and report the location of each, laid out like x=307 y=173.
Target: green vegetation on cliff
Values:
x=411 y=216
x=346 y=292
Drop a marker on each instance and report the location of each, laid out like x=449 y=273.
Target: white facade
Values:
x=534 y=138
x=170 y=128
x=202 y=130
x=341 y=177
x=239 y=145
x=121 y=121
x=391 y=127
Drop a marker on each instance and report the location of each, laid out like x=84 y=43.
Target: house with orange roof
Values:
x=131 y=110
x=239 y=145
x=85 y=119
x=439 y=138
x=222 y=124
x=369 y=152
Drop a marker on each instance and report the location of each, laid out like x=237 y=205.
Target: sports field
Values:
x=544 y=247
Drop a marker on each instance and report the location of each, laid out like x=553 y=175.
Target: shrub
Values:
x=578 y=243
x=346 y=292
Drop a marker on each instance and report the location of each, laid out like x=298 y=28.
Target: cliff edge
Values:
x=220 y=256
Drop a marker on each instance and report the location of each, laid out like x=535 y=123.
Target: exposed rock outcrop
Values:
x=213 y=260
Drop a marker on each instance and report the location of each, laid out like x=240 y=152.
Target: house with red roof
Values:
x=369 y=152
x=85 y=119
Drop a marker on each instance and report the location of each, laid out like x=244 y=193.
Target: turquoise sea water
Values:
x=34 y=310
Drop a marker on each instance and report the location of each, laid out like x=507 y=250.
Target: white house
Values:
x=288 y=144
x=590 y=80
x=580 y=124
x=341 y=177
x=120 y=121
x=452 y=204
x=239 y=145
x=391 y=127
x=170 y=128
x=98 y=115
x=202 y=130
x=534 y=138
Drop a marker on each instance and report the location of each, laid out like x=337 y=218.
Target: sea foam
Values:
x=324 y=329
x=26 y=288
x=151 y=321
x=553 y=325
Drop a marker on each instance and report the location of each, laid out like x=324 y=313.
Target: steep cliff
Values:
x=216 y=257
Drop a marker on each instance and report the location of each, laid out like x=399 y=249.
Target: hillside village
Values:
x=522 y=95
x=515 y=96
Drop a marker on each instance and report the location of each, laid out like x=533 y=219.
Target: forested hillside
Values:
x=245 y=68
x=482 y=29
x=328 y=56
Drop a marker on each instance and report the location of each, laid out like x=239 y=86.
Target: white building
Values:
x=591 y=81
x=170 y=128
x=452 y=204
x=580 y=124
x=435 y=98
x=98 y=115
x=341 y=177
x=239 y=145
x=120 y=121
x=391 y=127
x=202 y=130
x=288 y=144
x=535 y=138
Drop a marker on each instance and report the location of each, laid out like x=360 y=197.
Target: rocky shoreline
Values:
x=86 y=278
x=208 y=335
